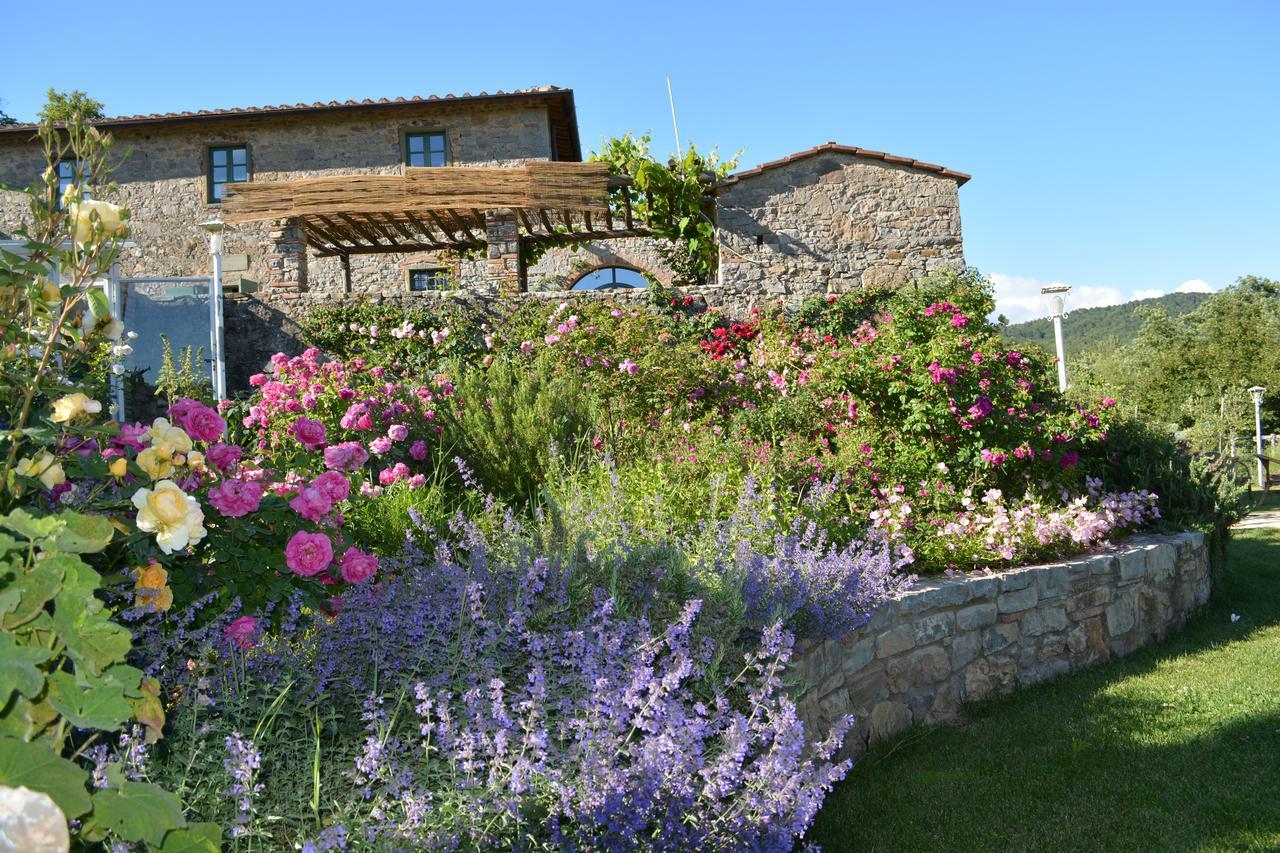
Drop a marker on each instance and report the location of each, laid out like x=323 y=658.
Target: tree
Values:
x=6 y=120
x=1190 y=373
x=61 y=106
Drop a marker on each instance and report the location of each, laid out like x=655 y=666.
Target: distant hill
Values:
x=1088 y=328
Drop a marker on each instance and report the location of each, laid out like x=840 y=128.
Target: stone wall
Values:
x=952 y=640
x=830 y=222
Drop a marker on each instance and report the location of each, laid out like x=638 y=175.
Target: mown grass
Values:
x=1174 y=748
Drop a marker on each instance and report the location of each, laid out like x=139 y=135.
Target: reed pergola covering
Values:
x=442 y=207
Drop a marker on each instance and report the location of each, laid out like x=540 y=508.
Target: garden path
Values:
x=1262 y=518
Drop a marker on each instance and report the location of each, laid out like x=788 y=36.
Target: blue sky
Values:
x=1121 y=147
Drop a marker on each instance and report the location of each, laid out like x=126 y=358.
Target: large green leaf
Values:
x=98 y=304
x=33 y=527
x=138 y=811
x=78 y=576
x=37 y=767
x=92 y=641
x=100 y=706
x=18 y=668
x=83 y=534
x=34 y=589
x=196 y=838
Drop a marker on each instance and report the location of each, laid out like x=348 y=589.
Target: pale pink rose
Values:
x=242 y=633
x=347 y=456
x=380 y=445
x=308 y=554
x=310 y=434
x=357 y=566
x=311 y=503
x=333 y=484
x=397 y=432
x=236 y=498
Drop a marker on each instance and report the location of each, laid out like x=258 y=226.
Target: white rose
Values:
x=171 y=514
x=31 y=821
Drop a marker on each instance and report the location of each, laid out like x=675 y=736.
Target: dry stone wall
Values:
x=831 y=223
x=953 y=640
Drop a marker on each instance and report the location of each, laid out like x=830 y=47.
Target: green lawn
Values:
x=1174 y=748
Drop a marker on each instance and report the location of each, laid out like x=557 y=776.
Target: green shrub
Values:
x=1197 y=491
x=510 y=420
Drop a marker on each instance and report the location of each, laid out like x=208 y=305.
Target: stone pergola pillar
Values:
x=502 y=233
x=287 y=257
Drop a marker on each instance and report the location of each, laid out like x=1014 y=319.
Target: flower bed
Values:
x=559 y=557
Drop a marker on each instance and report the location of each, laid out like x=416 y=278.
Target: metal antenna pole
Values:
x=674 y=125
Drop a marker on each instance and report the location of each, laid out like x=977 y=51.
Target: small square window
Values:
x=228 y=164
x=425 y=149
x=72 y=172
x=428 y=279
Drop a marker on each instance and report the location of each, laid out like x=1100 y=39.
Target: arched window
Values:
x=611 y=278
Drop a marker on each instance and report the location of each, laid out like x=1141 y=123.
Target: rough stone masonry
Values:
x=951 y=640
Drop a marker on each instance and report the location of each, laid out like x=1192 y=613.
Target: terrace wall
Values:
x=952 y=640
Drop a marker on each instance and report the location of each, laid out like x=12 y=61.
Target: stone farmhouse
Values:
x=825 y=220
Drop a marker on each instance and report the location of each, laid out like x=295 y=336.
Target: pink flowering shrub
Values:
x=995 y=530
x=213 y=520
x=344 y=414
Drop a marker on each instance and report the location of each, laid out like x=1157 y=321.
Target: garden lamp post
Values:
x=1057 y=296
x=215 y=228
x=1256 y=393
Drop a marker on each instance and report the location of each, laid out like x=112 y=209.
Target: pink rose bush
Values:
x=228 y=522
x=354 y=410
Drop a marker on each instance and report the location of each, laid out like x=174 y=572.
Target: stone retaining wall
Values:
x=952 y=640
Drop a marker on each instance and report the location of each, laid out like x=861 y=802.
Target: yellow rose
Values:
x=51 y=293
x=156 y=461
x=45 y=467
x=151 y=576
x=171 y=514
x=157 y=599
x=72 y=406
x=119 y=466
x=85 y=213
x=169 y=438
x=195 y=459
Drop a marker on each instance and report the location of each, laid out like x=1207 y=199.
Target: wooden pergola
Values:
x=458 y=208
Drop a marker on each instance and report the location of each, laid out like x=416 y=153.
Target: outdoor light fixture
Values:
x=1256 y=393
x=215 y=228
x=1056 y=294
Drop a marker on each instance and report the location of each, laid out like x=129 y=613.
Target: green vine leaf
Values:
x=18 y=668
x=25 y=524
x=100 y=705
x=92 y=641
x=196 y=838
x=34 y=589
x=83 y=534
x=35 y=766
x=138 y=811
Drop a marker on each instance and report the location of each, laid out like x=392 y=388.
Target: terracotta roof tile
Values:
x=834 y=147
x=246 y=112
